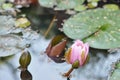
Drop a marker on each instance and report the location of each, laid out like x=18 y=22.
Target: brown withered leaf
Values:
x=56 y=48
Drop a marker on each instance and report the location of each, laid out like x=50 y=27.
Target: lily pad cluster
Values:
x=13 y=34
x=11 y=41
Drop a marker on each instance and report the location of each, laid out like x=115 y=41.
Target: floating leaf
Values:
x=93 y=0
x=115 y=73
x=47 y=3
x=80 y=8
x=10 y=44
x=6 y=24
x=61 y=4
x=92 y=4
x=7 y=6
x=22 y=22
x=99 y=27
x=69 y=4
x=111 y=6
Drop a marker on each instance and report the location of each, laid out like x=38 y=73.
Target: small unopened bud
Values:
x=25 y=60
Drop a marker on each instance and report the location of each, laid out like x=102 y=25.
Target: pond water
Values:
x=43 y=68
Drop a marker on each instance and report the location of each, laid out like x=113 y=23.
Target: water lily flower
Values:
x=77 y=55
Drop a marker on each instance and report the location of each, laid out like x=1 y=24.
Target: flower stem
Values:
x=68 y=73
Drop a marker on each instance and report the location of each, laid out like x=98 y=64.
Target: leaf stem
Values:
x=50 y=26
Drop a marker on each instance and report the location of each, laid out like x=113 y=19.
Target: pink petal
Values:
x=80 y=59
x=78 y=43
x=86 y=49
x=75 y=53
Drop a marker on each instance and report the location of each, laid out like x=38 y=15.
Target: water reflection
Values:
x=25 y=75
x=43 y=68
x=68 y=78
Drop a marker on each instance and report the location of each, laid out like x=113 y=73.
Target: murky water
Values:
x=42 y=68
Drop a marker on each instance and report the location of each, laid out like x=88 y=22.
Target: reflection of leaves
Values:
x=6 y=58
x=25 y=75
x=10 y=44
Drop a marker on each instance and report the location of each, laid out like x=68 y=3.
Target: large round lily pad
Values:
x=99 y=27
x=61 y=4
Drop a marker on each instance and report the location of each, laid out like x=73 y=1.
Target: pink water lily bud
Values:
x=77 y=55
x=77 y=52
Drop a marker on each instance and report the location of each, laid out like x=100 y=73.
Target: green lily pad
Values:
x=92 y=4
x=111 y=6
x=93 y=0
x=7 y=6
x=61 y=4
x=69 y=4
x=115 y=73
x=80 y=8
x=99 y=27
x=47 y=3
x=22 y=23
